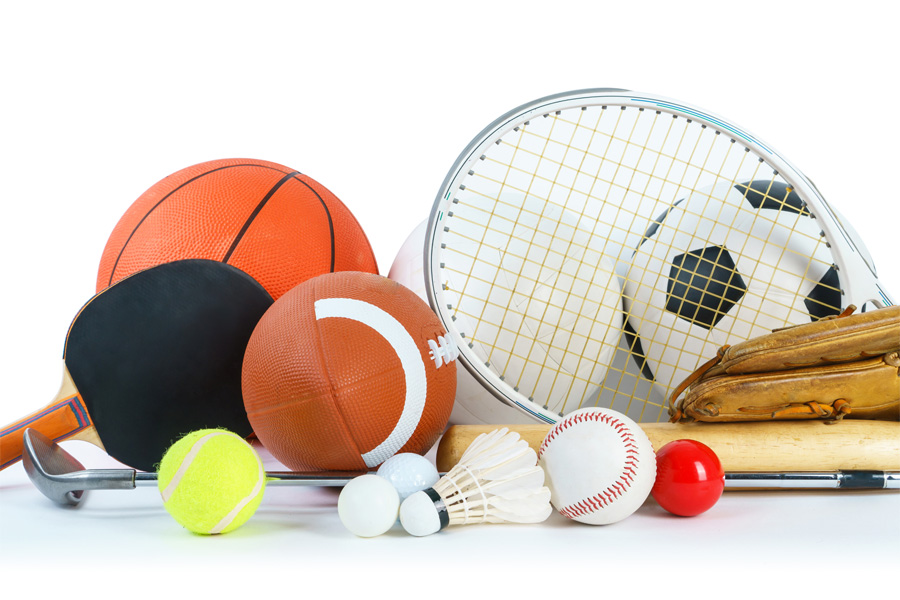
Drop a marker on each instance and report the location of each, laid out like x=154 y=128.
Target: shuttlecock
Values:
x=497 y=480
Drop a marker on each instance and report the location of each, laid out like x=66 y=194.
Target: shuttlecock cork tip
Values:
x=424 y=513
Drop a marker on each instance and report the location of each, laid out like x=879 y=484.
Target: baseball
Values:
x=599 y=466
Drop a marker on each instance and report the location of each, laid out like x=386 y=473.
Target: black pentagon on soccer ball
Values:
x=703 y=286
x=772 y=195
x=824 y=300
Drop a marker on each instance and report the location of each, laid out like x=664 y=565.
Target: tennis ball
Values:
x=211 y=481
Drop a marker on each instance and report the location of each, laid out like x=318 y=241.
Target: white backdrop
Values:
x=375 y=100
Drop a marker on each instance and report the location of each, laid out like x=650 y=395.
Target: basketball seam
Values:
x=327 y=215
x=255 y=213
x=166 y=197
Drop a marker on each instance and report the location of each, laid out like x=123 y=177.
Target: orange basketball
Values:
x=274 y=223
x=346 y=370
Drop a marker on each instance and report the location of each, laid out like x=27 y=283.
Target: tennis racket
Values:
x=592 y=248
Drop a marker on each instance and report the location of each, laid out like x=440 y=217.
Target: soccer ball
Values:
x=725 y=264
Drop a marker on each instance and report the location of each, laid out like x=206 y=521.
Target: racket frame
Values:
x=858 y=278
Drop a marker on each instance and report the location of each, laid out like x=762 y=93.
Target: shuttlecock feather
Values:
x=497 y=480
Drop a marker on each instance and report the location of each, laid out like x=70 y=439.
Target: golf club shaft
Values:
x=277 y=478
x=869 y=480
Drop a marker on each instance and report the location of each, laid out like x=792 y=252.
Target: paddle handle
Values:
x=64 y=418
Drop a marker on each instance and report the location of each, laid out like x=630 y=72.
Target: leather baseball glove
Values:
x=846 y=366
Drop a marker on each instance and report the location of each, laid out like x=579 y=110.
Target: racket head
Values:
x=158 y=355
x=594 y=173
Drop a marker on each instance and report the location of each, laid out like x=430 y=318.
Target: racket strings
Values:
x=551 y=197
x=517 y=209
x=675 y=157
x=568 y=189
x=567 y=349
x=529 y=347
x=634 y=215
x=624 y=385
x=721 y=299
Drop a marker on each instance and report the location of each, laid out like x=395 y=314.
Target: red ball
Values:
x=347 y=369
x=689 y=478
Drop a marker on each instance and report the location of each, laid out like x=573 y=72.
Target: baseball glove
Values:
x=846 y=366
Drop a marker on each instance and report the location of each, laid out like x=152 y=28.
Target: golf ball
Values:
x=409 y=473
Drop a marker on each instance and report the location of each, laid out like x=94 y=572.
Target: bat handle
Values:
x=59 y=421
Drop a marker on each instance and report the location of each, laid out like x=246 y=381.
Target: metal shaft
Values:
x=60 y=477
x=276 y=478
x=847 y=480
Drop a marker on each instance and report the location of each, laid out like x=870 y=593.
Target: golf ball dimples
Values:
x=409 y=473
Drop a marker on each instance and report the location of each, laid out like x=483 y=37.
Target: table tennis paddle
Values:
x=153 y=357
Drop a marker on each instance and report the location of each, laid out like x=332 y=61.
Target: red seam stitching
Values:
x=604 y=497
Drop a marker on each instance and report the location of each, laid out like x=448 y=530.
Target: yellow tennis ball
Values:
x=211 y=481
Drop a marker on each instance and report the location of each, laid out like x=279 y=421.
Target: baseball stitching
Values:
x=626 y=477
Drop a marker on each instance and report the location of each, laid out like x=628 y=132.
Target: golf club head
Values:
x=44 y=462
x=59 y=476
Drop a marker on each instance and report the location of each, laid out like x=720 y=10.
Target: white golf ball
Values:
x=368 y=505
x=409 y=473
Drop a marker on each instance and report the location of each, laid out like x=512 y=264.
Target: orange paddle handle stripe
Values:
x=57 y=421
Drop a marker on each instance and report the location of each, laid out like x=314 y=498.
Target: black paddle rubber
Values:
x=158 y=355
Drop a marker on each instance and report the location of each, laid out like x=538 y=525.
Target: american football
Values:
x=346 y=370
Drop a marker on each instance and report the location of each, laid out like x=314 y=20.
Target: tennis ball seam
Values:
x=228 y=518
x=188 y=460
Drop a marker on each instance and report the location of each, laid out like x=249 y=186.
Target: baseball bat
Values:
x=770 y=446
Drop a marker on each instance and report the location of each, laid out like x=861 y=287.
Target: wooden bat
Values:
x=153 y=357
x=770 y=446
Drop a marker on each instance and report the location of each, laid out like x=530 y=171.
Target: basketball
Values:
x=272 y=222
x=346 y=370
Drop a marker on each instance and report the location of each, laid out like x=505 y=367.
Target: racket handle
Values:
x=771 y=446
x=64 y=418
